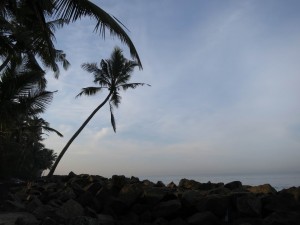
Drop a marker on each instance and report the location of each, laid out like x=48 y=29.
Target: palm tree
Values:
x=22 y=99
x=31 y=19
x=113 y=75
x=21 y=34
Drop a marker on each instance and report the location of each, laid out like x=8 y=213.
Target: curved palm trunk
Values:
x=75 y=135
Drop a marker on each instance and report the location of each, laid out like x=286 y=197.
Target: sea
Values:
x=277 y=181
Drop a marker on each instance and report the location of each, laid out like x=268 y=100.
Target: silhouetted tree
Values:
x=113 y=75
x=22 y=99
x=27 y=27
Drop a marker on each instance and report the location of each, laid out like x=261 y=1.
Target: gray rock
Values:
x=234 y=185
x=283 y=218
x=191 y=197
x=159 y=184
x=117 y=182
x=217 y=204
x=11 y=217
x=262 y=189
x=178 y=221
x=130 y=193
x=93 y=187
x=206 y=218
x=70 y=209
x=293 y=191
x=172 y=185
x=249 y=205
x=105 y=219
x=189 y=184
x=154 y=195
x=167 y=209
x=84 y=220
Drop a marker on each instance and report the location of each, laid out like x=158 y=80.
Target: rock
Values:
x=129 y=219
x=14 y=206
x=10 y=218
x=154 y=195
x=191 y=197
x=219 y=205
x=249 y=205
x=71 y=175
x=117 y=182
x=293 y=191
x=134 y=180
x=189 y=184
x=43 y=211
x=34 y=203
x=167 y=209
x=146 y=217
x=105 y=219
x=206 y=218
x=148 y=183
x=130 y=193
x=49 y=221
x=70 y=209
x=172 y=185
x=279 y=203
x=283 y=218
x=159 y=184
x=26 y=220
x=178 y=221
x=116 y=206
x=234 y=185
x=83 y=220
x=262 y=189
x=93 y=187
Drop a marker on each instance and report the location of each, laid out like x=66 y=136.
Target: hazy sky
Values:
x=224 y=99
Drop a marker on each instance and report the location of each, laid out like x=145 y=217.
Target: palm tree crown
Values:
x=114 y=75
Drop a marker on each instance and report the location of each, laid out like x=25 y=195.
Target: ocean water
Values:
x=278 y=181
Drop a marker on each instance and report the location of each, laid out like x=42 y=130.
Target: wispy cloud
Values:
x=224 y=95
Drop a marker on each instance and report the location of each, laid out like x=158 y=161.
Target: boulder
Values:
x=93 y=187
x=69 y=209
x=206 y=218
x=10 y=218
x=249 y=205
x=172 y=185
x=219 y=205
x=84 y=220
x=154 y=195
x=283 y=218
x=262 y=189
x=191 y=197
x=117 y=182
x=189 y=184
x=167 y=209
x=178 y=221
x=159 y=184
x=105 y=219
x=293 y=191
x=130 y=193
x=234 y=185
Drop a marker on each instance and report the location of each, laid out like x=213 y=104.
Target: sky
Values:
x=224 y=95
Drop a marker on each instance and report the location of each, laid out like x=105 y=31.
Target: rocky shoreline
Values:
x=95 y=200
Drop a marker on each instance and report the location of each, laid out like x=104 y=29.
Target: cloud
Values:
x=224 y=94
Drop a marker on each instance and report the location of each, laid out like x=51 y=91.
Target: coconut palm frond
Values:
x=112 y=118
x=115 y=99
x=132 y=85
x=49 y=129
x=73 y=10
x=89 y=91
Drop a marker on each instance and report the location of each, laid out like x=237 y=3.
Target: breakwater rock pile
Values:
x=95 y=200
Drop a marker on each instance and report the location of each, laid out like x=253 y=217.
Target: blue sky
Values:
x=224 y=98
